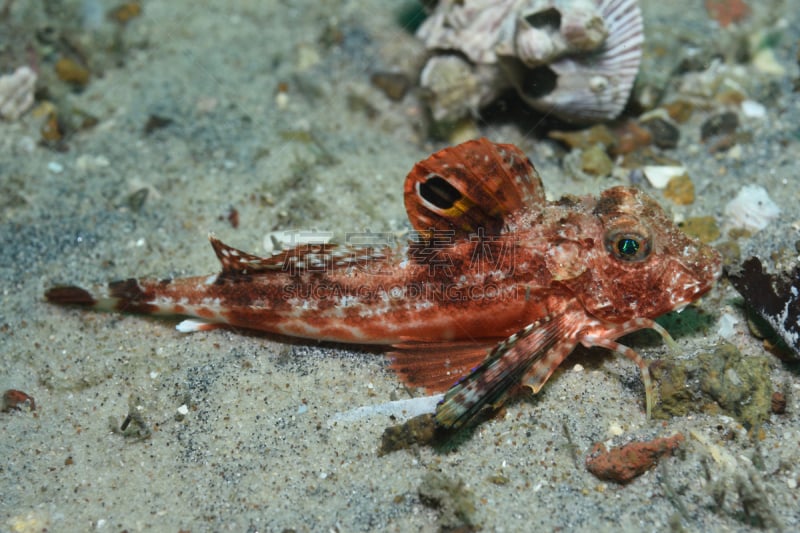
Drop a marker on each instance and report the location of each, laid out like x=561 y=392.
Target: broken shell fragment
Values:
x=587 y=86
x=576 y=59
x=455 y=89
x=660 y=175
x=16 y=92
x=471 y=27
x=547 y=31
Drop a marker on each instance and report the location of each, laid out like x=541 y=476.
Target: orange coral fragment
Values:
x=727 y=12
x=624 y=463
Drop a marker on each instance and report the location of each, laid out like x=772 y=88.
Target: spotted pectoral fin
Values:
x=436 y=366
x=541 y=370
x=504 y=367
x=473 y=187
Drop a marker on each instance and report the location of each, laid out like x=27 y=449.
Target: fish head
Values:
x=641 y=265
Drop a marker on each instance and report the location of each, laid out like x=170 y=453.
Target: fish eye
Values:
x=628 y=247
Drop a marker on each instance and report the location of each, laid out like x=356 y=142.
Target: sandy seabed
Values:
x=255 y=451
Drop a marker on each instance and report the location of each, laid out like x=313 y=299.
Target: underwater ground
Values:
x=248 y=117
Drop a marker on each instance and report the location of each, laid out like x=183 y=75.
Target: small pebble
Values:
x=778 y=403
x=26 y=144
x=753 y=109
x=680 y=190
x=765 y=61
x=596 y=162
x=631 y=136
x=55 y=167
x=394 y=85
x=665 y=134
x=703 y=228
x=680 y=110
x=585 y=139
x=721 y=124
x=72 y=72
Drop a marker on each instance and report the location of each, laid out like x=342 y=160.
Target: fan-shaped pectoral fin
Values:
x=490 y=383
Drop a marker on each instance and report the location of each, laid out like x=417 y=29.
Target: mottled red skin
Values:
x=492 y=257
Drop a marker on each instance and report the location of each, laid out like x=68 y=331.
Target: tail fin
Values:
x=127 y=296
x=70 y=295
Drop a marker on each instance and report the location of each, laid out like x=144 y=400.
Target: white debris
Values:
x=276 y=241
x=16 y=92
x=753 y=109
x=659 y=175
x=726 y=327
x=752 y=209
x=401 y=409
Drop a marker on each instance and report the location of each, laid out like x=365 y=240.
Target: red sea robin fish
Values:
x=493 y=266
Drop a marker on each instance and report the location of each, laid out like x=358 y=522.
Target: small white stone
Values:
x=55 y=167
x=727 y=326
x=26 y=144
x=577 y=368
x=753 y=109
x=735 y=152
x=183 y=410
x=281 y=100
x=792 y=483
x=153 y=374
x=765 y=61
x=615 y=430
x=659 y=175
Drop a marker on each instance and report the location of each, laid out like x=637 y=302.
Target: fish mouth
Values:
x=691 y=285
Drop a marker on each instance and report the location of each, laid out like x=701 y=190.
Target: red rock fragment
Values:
x=16 y=400
x=630 y=137
x=726 y=12
x=778 y=403
x=233 y=217
x=624 y=463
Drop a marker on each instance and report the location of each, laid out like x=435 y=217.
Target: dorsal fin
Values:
x=472 y=187
x=236 y=262
x=303 y=258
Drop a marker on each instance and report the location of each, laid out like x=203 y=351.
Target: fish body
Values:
x=492 y=266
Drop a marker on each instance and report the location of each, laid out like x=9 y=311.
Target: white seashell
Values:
x=660 y=175
x=588 y=86
x=576 y=59
x=547 y=30
x=752 y=209
x=472 y=27
x=16 y=92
